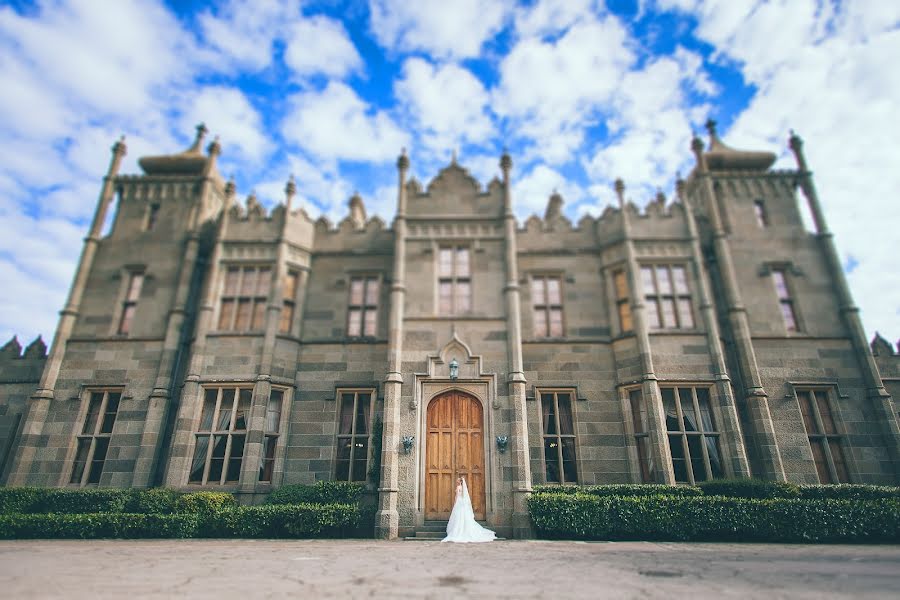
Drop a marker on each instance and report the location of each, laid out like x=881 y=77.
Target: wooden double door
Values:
x=454 y=448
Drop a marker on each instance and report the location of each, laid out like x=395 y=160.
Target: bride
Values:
x=462 y=526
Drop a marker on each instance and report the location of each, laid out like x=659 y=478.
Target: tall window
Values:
x=546 y=298
x=219 y=448
x=454 y=281
x=244 y=298
x=152 y=217
x=823 y=436
x=693 y=435
x=785 y=300
x=270 y=441
x=667 y=296
x=362 y=317
x=353 y=435
x=135 y=281
x=762 y=218
x=288 y=301
x=559 y=437
x=93 y=442
x=641 y=435
x=623 y=305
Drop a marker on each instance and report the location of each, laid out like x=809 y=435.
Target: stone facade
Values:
x=192 y=305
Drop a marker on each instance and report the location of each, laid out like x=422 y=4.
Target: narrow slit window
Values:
x=641 y=435
x=623 y=303
x=93 y=442
x=762 y=217
x=785 y=299
x=288 y=302
x=152 y=217
x=129 y=305
x=271 y=433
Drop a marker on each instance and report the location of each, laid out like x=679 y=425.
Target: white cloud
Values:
x=531 y=192
x=336 y=124
x=320 y=45
x=447 y=103
x=227 y=112
x=241 y=34
x=447 y=30
x=549 y=17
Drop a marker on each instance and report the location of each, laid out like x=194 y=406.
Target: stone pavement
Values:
x=509 y=569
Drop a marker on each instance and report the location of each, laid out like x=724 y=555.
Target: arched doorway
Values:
x=454 y=448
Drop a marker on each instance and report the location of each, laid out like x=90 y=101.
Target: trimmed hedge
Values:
x=282 y=521
x=713 y=518
x=205 y=503
x=749 y=488
x=645 y=489
x=32 y=500
x=97 y=525
x=321 y=492
x=847 y=491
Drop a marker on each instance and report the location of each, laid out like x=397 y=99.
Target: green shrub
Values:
x=849 y=491
x=714 y=518
x=749 y=488
x=640 y=489
x=155 y=501
x=96 y=525
x=18 y=499
x=282 y=521
x=321 y=492
x=204 y=503
x=81 y=501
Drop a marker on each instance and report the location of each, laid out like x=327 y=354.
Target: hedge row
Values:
x=268 y=521
x=714 y=518
x=157 y=501
x=733 y=488
x=629 y=489
x=321 y=492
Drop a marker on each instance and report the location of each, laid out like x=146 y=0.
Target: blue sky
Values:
x=580 y=92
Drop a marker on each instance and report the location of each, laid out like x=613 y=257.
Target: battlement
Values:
x=17 y=366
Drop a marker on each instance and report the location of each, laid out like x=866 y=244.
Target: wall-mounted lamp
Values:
x=502 y=443
x=408 y=442
x=454 y=369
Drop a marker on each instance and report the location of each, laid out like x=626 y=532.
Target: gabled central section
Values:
x=454 y=192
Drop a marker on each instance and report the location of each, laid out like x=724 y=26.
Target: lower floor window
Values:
x=221 y=435
x=641 y=434
x=692 y=433
x=270 y=439
x=824 y=439
x=93 y=443
x=559 y=437
x=354 y=429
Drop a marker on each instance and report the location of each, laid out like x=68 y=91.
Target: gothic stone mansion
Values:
x=208 y=345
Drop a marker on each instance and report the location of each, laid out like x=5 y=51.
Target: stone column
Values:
x=849 y=312
x=734 y=440
x=519 y=457
x=387 y=520
x=755 y=397
x=179 y=460
x=262 y=387
x=656 y=418
x=39 y=405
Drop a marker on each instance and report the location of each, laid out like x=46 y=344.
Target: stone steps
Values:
x=433 y=531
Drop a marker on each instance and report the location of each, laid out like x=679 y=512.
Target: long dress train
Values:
x=462 y=526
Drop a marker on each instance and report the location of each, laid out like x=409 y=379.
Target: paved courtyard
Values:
x=506 y=569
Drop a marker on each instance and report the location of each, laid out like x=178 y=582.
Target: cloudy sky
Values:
x=580 y=91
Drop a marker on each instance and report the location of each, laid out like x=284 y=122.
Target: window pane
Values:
x=549 y=413
x=225 y=408
x=209 y=407
x=780 y=284
x=540 y=322
x=687 y=409
x=360 y=457
x=90 y=421
x=662 y=280
x=243 y=410
x=644 y=459
x=112 y=407
x=679 y=465
x=446 y=298
x=372 y=288
x=134 y=286
x=199 y=462
x=84 y=445
x=806 y=410
x=273 y=411
x=621 y=284
x=668 y=397
x=679 y=277
x=264 y=282
x=362 y=414
x=638 y=414
x=668 y=310
x=565 y=414
x=556 y=325
x=357 y=291
x=226 y=314
x=259 y=315
x=685 y=314
x=551 y=459
x=354 y=322
x=462 y=262
x=760 y=211
x=821 y=463
x=625 y=316
x=445 y=266
x=217 y=463
x=824 y=411
x=553 y=291
x=248 y=282
x=706 y=418
x=653 y=321
x=232 y=276
x=837 y=457
x=697 y=466
x=647 y=280
x=342 y=466
x=787 y=313
x=570 y=472
x=290 y=285
x=346 y=422
x=267 y=462
x=463 y=296
x=236 y=458
x=715 y=458
x=101 y=445
x=537 y=291
x=287 y=317
x=242 y=323
x=371 y=324
x=127 y=318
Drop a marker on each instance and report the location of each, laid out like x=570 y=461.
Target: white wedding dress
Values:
x=462 y=526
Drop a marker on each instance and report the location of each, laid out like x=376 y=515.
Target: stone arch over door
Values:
x=454 y=447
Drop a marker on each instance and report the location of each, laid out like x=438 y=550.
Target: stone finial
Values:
x=619 y=187
x=357 y=211
x=119 y=148
x=660 y=197
x=554 y=207
x=880 y=346
x=711 y=129
x=254 y=208
x=198 y=140
x=214 y=148
x=679 y=186
x=12 y=348
x=402 y=161
x=453 y=157
x=506 y=163
x=795 y=143
x=230 y=188
x=36 y=349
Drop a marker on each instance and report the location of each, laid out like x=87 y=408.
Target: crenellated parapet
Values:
x=17 y=366
x=454 y=192
x=887 y=357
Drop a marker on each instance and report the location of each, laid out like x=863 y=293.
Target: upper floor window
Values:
x=824 y=439
x=152 y=216
x=667 y=297
x=220 y=436
x=454 y=280
x=641 y=434
x=93 y=442
x=354 y=429
x=623 y=304
x=132 y=294
x=785 y=299
x=693 y=435
x=558 y=430
x=271 y=434
x=762 y=217
x=244 y=298
x=288 y=300
x=362 y=316
x=546 y=299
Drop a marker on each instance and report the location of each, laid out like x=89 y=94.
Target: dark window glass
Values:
x=559 y=437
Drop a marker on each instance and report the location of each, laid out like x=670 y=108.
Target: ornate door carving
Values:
x=454 y=448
